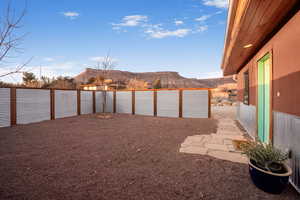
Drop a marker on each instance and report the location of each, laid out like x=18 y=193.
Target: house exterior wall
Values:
x=285 y=48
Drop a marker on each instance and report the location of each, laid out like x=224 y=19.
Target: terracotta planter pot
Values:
x=269 y=182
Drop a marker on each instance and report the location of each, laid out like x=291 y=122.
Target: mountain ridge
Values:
x=169 y=79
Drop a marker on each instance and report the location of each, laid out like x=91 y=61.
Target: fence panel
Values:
x=4 y=107
x=99 y=101
x=86 y=102
x=286 y=129
x=65 y=103
x=168 y=103
x=124 y=102
x=109 y=102
x=144 y=103
x=33 y=105
x=195 y=103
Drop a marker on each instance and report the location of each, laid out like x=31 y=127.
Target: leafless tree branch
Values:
x=106 y=65
x=10 y=40
x=17 y=69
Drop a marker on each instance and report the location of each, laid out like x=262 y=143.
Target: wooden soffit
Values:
x=251 y=22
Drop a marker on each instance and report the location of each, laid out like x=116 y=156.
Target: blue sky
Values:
x=66 y=36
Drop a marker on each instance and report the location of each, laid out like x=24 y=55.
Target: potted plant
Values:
x=267 y=166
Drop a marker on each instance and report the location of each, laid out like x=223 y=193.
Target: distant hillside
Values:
x=168 y=79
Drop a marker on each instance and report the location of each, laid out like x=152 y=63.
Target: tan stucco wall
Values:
x=285 y=47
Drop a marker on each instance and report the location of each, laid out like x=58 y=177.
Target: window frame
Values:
x=246 y=88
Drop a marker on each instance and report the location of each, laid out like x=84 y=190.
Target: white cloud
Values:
x=202 y=28
x=131 y=21
x=178 y=22
x=51 y=70
x=48 y=59
x=203 y=18
x=216 y=3
x=158 y=32
x=71 y=15
x=215 y=74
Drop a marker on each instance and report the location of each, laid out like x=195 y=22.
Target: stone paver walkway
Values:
x=218 y=145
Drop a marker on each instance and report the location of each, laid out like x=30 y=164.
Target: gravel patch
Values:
x=122 y=157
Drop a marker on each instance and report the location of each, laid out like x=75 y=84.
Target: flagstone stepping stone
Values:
x=216 y=140
x=222 y=132
x=220 y=147
x=232 y=137
x=194 y=150
x=229 y=129
x=227 y=141
x=219 y=144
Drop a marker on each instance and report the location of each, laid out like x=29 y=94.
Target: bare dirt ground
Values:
x=125 y=157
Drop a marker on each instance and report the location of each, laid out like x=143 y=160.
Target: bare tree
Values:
x=107 y=64
x=10 y=40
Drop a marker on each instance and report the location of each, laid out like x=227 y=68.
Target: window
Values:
x=246 y=88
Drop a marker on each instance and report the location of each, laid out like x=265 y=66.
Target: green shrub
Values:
x=265 y=156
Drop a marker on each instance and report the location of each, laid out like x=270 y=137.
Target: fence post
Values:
x=94 y=101
x=52 y=103
x=104 y=93
x=13 y=106
x=133 y=102
x=78 y=102
x=180 y=103
x=209 y=103
x=114 y=101
x=155 y=103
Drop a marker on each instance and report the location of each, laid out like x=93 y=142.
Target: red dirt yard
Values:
x=124 y=157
